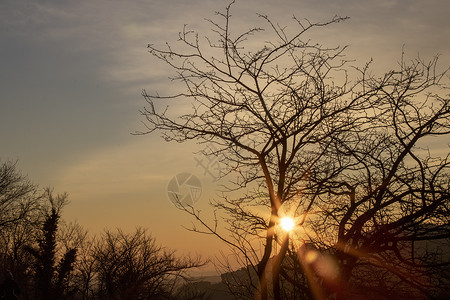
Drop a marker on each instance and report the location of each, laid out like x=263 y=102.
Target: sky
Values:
x=72 y=74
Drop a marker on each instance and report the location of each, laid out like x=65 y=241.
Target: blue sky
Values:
x=72 y=72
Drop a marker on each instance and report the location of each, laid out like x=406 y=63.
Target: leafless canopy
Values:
x=339 y=146
x=18 y=196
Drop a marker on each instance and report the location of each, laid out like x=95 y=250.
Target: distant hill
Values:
x=212 y=287
x=204 y=290
x=209 y=278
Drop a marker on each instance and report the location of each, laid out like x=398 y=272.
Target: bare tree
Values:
x=20 y=206
x=384 y=198
x=307 y=135
x=18 y=196
x=82 y=278
x=132 y=266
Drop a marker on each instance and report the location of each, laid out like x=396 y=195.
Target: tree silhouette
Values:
x=18 y=196
x=20 y=207
x=132 y=266
x=43 y=257
x=50 y=277
x=303 y=133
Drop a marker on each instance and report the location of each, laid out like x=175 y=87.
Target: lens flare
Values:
x=287 y=223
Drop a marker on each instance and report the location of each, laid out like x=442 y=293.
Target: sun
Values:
x=287 y=223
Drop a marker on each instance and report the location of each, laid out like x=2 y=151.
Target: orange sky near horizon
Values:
x=71 y=82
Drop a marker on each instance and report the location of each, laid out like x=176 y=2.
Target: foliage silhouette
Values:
x=51 y=277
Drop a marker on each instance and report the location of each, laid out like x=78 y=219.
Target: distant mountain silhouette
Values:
x=204 y=290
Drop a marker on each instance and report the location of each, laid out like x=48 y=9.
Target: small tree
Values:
x=81 y=281
x=306 y=134
x=18 y=196
x=132 y=266
x=20 y=205
x=50 y=277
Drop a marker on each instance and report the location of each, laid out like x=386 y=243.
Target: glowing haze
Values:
x=71 y=79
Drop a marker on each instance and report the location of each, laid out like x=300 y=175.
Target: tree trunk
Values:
x=277 y=266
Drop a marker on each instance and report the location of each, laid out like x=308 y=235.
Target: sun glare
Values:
x=287 y=223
